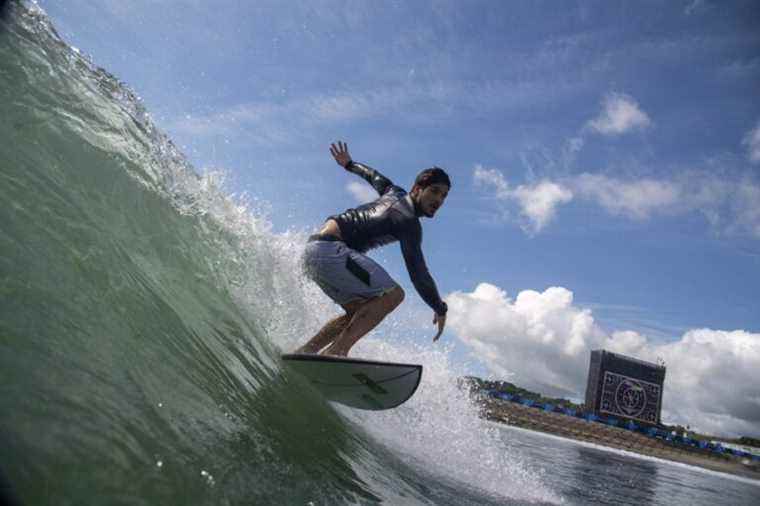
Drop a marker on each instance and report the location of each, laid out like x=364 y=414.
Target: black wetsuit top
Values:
x=392 y=217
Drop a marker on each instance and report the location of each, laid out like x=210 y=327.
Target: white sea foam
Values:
x=441 y=432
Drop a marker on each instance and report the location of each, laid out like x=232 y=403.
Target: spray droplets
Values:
x=208 y=477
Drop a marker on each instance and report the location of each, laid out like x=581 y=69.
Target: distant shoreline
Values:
x=578 y=429
x=616 y=451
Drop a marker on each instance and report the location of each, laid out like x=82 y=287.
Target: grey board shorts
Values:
x=344 y=274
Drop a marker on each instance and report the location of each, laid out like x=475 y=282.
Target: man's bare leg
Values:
x=365 y=318
x=326 y=335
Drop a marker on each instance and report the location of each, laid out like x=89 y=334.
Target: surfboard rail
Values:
x=356 y=382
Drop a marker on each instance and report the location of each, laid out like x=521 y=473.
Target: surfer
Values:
x=334 y=258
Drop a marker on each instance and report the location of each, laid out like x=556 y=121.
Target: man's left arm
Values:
x=411 y=248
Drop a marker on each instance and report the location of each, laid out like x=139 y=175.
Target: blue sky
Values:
x=609 y=149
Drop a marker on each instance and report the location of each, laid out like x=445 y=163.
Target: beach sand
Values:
x=579 y=429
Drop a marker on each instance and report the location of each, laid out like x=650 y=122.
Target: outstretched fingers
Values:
x=340 y=153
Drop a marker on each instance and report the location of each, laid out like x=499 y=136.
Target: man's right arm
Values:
x=373 y=177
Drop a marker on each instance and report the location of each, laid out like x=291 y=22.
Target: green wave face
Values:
x=142 y=315
x=129 y=368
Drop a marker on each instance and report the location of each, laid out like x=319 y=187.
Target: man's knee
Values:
x=387 y=302
x=395 y=297
x=352 y=307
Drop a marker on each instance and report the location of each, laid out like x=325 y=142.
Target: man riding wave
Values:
x=334 y=258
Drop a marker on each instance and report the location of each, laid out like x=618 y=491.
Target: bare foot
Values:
x=305 y=351
x=329 y=353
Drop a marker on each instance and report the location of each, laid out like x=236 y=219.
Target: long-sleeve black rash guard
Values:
x=392 y=217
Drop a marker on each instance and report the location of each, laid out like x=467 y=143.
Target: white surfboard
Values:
x=358 y=383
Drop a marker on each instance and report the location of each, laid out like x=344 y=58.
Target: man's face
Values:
x=430 y=198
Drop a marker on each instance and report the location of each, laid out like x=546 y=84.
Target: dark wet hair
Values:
x=433 y=175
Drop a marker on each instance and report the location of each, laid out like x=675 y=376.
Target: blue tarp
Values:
x=630 y=425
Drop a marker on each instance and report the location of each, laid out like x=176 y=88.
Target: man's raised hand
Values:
x=340 y=153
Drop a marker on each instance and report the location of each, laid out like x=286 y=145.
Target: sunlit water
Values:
x=585 y=473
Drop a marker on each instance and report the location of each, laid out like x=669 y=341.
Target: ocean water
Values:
x=142 y=314
x=585 y=473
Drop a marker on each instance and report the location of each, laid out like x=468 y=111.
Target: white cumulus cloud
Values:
x=620 y=114
x=747 y=208
x=752 y=141
x=542 y=340
x=362 y=192
x=730 y=205
x=636 y=199
x=538 y=202
x=492 y=178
